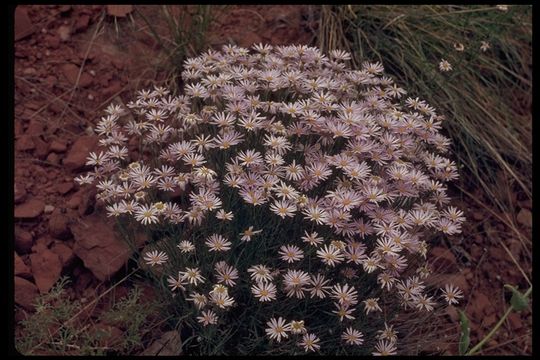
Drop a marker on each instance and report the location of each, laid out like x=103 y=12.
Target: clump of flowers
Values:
x=298 y=195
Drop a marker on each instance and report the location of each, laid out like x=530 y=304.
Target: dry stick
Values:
x=89 y=304
x=511 y=226
x=517 y=264
x=497 y=326
x=251 y=11
x=51 y=95
x=82 y=65
x=45 y=93
x=508 y=342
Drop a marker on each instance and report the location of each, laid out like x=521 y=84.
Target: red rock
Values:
x=478 y=215
x=482 y=304
x=42 y=148
x=108 y=335
x=477 y=252
x=57 y=146
x=59 y=226
x=64 y=188
x=25 y=143
x=53 y=158
x=73 y=202
x=88 y=200
x=249 y=38
x=443 y=259
x=525 y=204
x=30 y=209
x=451 y=311
x=119 y=10
x=64 y=8
x=64 y=252
x=48 y=208
x=496 y=253
x=23 y=24
x=82 y=23
x=41 y=244
x=25 y=293
x=53 y=42
x=46 y=267
x=83 y=279
x=515 y=321
x=23 y=240
x=29 y=71
x=76 y=157
x=20 y=193
x=71 y=72
x=456 y=279
x=64 y=34
x=35 y=127
x=18 y=129
x=100 y=248
x=20 y=268
x=524 y=217
x=114 y=87
x=489 y=320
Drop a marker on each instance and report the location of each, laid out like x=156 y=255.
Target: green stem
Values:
x=494 y=330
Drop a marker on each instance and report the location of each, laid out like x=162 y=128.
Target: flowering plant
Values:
x=287 y=195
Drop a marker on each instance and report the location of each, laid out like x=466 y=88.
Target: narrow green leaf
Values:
x=464 y=340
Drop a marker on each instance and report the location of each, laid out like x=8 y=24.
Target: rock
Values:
x=456 y=279
x=476 y=252
x=451 y=311
x=71 y=73
x=107 y=335
x=42 y=148
x=515 y=321
x=114 y=88
x=25 y=293
x=53 y=158
x=525 y=204
x=76 y=157
x=46 y=267
x=482 y=305
x=489 y=320
x=73 y=202
x=19 y=193
x=59 y=226
x=64 y=252
x=35 y=127
x=30 y=209
x=82 y=23
x=478 y=215
x=88 y=200
x=48 y=209
x=169 y=344
x=25 y=143
x=524 y=217
x=83 y=279
x=64 y=32
x=29 y=71
x=100 y=248
x=64 y=8
x=58 y=146
x=23 y=240
x=64 y=188
x=119 y=10
x=20 y=268
x=23 y=24
x=249 y=38
x=444 y=259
